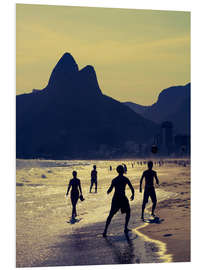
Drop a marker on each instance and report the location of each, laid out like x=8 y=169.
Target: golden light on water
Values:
x=162 y=247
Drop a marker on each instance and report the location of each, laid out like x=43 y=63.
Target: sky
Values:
x=136 y=53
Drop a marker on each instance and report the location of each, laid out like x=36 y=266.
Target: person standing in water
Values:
x=119 y=201
x=76 y=191
x=93 y=179
x=149 y=190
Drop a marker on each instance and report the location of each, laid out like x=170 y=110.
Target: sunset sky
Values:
x=135 y=53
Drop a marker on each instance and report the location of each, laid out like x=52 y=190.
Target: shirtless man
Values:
x=149 y=190
x=119 y=201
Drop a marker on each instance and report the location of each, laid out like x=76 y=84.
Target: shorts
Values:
x=149 y=192
x=120 y=204
x=93 y=181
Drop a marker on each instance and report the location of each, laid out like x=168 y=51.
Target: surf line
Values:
x=162 y=247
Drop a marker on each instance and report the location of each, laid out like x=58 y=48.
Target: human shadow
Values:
x=155 y=220
x=74 y=220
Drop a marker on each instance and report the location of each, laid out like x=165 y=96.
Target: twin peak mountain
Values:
x=71 y=118
x=66 y=74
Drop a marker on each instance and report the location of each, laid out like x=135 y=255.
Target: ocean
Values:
x=43 y=213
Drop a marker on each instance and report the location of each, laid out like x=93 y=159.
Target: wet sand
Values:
x=175 y=230
x=45 y=238
x=87 y=246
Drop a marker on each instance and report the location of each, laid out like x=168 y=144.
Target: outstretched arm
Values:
x=110 y=188
x=69 y=186
x=141 y=182
x=157 y=180
x=132 y=189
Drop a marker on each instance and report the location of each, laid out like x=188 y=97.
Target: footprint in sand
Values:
x=19 y=184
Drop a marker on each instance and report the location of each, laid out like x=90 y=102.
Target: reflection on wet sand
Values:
x=125 y=255
x=45 y=238
x=162 y=248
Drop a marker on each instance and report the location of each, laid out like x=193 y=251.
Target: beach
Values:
x=45 y=235
x=175 y=230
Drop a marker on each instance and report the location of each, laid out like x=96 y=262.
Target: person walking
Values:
x=76 y=192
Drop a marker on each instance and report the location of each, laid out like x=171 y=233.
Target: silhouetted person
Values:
x=93 y=179
x=119 y=201
x=110 y=168
x=76 y=189
x=149 y=191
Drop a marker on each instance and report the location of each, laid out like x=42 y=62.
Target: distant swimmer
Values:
x=149 y=191
x=119 y=201
x=75 y=191
x=93 y=179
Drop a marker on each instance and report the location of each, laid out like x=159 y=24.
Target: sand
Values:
x=175 y=229
x=44 y=236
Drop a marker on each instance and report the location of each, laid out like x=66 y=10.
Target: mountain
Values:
x=72 y=118
x=173 y=105
x=181 y=118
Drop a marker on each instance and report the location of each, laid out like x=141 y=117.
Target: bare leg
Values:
x=74 y=213
x=91 y=186
x=153 y=208
x=96 y=187
x=108 y=221
x=143 y=208
x=74 y=201
x=127 y=218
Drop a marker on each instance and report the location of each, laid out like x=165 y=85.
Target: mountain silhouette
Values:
x=71 y=118
x=173 y=105
x=181 y=118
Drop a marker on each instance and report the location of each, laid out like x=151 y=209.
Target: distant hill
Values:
x=173 y=105
x=181 y=118
x=71 y=118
